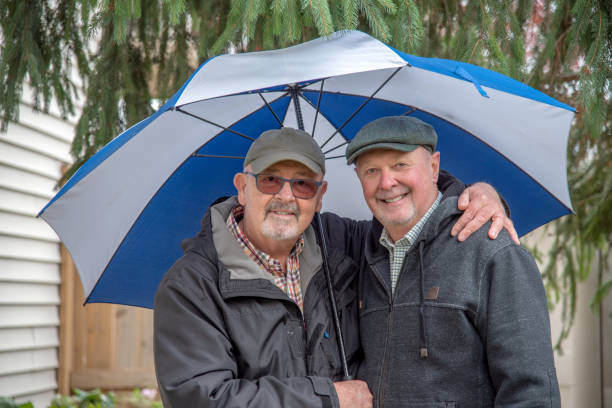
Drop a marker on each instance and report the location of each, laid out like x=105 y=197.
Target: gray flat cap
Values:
x=277 y=145
x=403 y=133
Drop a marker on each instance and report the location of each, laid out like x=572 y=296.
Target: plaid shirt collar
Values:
x=289 y=282
x=397 y=250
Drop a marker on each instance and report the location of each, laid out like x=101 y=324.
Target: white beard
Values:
x=280 y=229
x=388 y=219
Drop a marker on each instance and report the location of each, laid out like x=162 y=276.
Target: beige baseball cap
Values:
x=285 y=143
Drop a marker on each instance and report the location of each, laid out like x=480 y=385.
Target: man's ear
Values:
x=240 y=184
x=435 y=166
x=322 y=191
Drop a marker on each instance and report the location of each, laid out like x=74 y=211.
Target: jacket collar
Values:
x=237 y=271
x=375 y=252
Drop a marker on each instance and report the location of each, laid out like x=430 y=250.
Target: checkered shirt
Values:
x=397 y=250
x=290 y=282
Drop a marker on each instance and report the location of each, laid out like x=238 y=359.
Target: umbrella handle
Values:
x=332 y=299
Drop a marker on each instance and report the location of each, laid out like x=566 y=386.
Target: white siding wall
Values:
x=587 y=350
x=32 y=153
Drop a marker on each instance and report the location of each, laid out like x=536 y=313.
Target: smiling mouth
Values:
x=393 y=200
x=282 y=213
x=282 y=210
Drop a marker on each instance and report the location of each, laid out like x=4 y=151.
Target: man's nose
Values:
x=387 y=180
x=285 y=192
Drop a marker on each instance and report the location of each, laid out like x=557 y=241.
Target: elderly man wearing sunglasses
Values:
x=243 y=318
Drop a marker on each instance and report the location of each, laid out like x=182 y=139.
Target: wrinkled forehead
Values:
x=375 y=156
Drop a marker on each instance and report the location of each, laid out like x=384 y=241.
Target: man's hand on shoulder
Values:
x=481 y=203
x=353 y=394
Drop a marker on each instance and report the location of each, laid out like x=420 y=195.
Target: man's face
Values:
x=399 y=187
x=280 y=216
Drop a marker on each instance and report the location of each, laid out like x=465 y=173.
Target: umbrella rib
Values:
x=334 y=148
x=362 y=105
x=217 y=156
x=215 y=124
x=270 y=108
x=314 y=125
x=412 y=109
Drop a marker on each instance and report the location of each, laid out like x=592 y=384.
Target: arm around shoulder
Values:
x=345 y=234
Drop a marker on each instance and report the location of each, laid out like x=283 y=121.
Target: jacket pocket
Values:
x=295 y=337
x=313 y=350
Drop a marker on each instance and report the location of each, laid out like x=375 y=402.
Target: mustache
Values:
x=278 y=205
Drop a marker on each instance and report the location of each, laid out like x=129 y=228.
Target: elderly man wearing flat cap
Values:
x=443 y=323
x=243 y=318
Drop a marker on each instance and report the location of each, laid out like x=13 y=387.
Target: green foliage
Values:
x=85 y=399
x=577 y=68
x=146 y=50
x=37 y=42
x=146 y=398
x=6 y=402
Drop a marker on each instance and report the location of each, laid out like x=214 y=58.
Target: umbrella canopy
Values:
x=124 y=213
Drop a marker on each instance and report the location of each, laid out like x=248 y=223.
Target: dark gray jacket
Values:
x=226 y=336
x=467 y=326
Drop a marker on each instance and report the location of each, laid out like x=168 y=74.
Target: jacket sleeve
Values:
x=194 y=359
x=344 y=234
x=515 y=327
x=449 y=185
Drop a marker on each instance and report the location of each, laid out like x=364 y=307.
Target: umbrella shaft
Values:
x=332 y=300
x=298 y=110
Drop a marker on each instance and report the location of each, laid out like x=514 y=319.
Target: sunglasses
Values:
x=271 y=184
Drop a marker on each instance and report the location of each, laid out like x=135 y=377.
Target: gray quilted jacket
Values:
x=467 y=324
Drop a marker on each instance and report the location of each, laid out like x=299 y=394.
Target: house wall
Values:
x=605 y=318
x=584 y=365
x=32 y=153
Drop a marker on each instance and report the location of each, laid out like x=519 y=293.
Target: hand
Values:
x=353 y=394
x=480 y=203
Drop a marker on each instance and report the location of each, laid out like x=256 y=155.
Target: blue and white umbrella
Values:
x=124 y=213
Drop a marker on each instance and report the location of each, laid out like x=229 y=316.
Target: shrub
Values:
x=6 y=402
x=85 y=399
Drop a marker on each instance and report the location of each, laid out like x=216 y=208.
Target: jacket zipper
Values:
x=383 y=374
x=385 y=359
